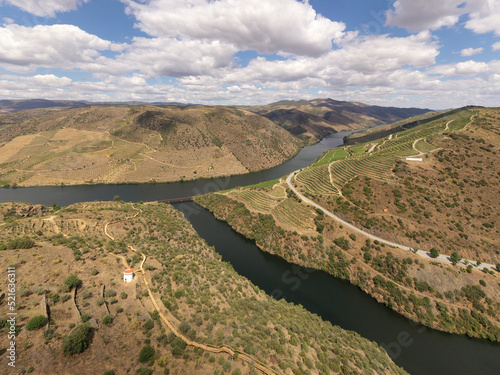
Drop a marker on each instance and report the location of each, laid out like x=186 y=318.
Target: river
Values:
x=417 y=349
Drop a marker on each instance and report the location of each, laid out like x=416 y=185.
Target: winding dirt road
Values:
x=252 y=361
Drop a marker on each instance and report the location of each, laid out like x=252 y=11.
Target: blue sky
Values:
x=384 y=52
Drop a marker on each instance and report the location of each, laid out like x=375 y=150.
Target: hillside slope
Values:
x=312 y=120
x=179 y=279
x=137 y=144
x=444 y=199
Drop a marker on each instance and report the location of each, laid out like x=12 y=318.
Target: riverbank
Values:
x=346 y=305
x=424 y=291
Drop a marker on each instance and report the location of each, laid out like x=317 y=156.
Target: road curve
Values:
x=441 y=258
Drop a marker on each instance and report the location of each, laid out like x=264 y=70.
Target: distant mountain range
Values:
x=309 y=120
x=313 y=119
x=7 y=106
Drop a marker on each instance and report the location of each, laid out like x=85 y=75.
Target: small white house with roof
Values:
x=128 y=275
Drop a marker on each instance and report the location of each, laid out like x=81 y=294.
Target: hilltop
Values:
x=113 y=144
x=185 y=312
x=442 y=202
x=313 y=119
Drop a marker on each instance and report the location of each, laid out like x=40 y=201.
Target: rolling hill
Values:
x=185 y=312
x=311 y=120
x=111 y=144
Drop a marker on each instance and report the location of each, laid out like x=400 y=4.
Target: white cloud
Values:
x=471 y=51
x=267 y=26
x=373 y=60
x=24 y=49
x=484 y=17
x=424 y=15
x=47 y=80
x=46 y=8
x=383 y=53
x=171 y=57
x=496 y=46
x=414 y=16
x=462 y=69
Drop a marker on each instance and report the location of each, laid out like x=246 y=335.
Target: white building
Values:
x=128 y=275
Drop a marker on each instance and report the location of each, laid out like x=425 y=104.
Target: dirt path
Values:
x=254 y=362
x=441 y=258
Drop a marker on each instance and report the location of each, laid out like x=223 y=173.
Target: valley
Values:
x=369 y=185
x=110 y=144
x=373 y=186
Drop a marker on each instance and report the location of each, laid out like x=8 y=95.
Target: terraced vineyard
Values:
x=317 y=180
x=377 y=166
x=329 y=174
x=257 y=200
x=424 y=146
x=295 y=214
x=331 y=156
x=458 y=124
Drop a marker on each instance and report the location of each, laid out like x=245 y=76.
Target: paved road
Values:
x=441 y=258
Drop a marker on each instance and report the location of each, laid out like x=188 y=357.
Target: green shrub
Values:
x=72 y=281
x=178 y=346
x=20 y=243
x=36 y=322
x=149 y=324
x=77 y=341
x=342 y=242
x=108 y=319
x=146 y=354
x=434 y=252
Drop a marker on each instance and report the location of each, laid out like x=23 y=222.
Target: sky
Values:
x=433 y=54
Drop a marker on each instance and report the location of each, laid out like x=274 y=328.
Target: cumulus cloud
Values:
x=172 y=57
x=47 y=80
x=496 y=46
x=471 y=51
x=46 y=8
x=267 y=26
x=25 y=49
x=370 y=60
x=463 y=69
x=416 y=16
x=484 y=17
x=384 y=53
